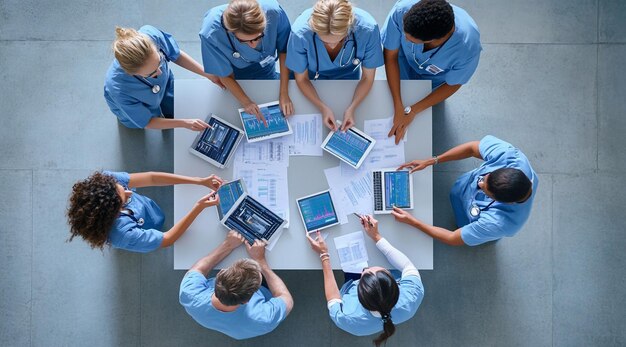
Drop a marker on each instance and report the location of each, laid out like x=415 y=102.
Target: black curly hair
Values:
x=94 y=206
x=429 y=20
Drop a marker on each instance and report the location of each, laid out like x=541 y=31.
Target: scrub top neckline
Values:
x=343 y=47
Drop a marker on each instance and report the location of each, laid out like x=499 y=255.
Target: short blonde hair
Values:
x=236 y=284
x=132 y=48
x=332 y=17
x=244 y=16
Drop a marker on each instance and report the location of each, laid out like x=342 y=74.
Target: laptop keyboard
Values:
x=378 y=191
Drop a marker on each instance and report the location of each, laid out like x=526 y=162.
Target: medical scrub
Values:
x=351 y=316
x=453 y=63
x=301 y=52
x=500 y=219
x=259 y=316
x=133 y=101
x=253 y=63
x=139 y=230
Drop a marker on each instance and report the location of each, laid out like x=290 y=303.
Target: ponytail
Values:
x=388 y=329
x=378 y=291
x=132 y=49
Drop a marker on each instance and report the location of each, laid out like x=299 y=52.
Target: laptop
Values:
x=351 y=146
x=252 y=220
x=217 y=144
x=277 y=124
x=392 y=188
x=317 y=211
x=229 y=193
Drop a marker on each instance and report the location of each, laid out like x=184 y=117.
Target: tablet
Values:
x=252 y=220
x=317 y=211
x=217 y=144
x=277 y=124
x=229 y=193
x=351 y=146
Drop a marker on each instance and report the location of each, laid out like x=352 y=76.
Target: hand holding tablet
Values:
x=351 y=146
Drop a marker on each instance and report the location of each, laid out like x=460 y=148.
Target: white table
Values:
x=198 y=98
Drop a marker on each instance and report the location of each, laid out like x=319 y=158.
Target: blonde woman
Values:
x=139 y=85
x=241 y=41
x=335 y=41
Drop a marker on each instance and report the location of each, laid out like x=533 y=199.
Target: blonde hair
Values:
x=244 y=16
x=332 y=17
x=132 y=48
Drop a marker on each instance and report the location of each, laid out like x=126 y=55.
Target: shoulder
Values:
x=155 y=34
x=194 y=286
x=363 y=20
x=300 y=26
x=271 y=7
x=212 y=21
x=121 y=177
x=467 y=29
x=401 y=7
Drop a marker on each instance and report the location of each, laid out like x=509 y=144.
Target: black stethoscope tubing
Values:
x=356 y=61
x=154 y=87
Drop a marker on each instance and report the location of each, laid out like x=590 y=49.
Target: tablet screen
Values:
x=252 y=218
x=217 y=143
x=397 y=188
x=317 y=211
x=229 y=193
x=276 y=122
x=348 y=145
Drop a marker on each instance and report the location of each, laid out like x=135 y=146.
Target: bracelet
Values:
x=325 y=258
x=436 y=159
x=324 y=254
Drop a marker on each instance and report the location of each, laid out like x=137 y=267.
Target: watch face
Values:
x=407 y=110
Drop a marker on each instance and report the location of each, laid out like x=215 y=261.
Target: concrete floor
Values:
x=551 y=81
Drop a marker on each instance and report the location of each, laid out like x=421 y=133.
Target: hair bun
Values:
x=121 y=32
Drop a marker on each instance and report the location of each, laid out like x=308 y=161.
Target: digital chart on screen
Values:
x=277 y=124
x=317 y=211
x=349 y=146
x=397 y=190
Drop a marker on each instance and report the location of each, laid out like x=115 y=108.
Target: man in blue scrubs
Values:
x=335 y=41
x=234 y=302
x=427 y=40
x=490 y=202
x=241 y=41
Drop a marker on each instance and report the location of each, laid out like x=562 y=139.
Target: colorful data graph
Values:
x=276 y=122
x=318 y=211
x=397 y=190
x=348 y=145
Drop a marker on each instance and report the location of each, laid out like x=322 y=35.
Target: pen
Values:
x=362 y=217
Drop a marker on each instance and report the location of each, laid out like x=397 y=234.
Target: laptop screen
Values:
x=276 y=122
x=217 y=143
x=397 y=189
x=318 y=211
x=229 y=193
x=348 y=145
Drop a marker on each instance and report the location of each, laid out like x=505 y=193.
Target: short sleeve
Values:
x=337 y=315
x=276 y=311
x=121 y=177
x=297 y=60
x=214 y=61
x=391 y=33
x=133 y=113
x=373 y=57
x=141 y=240
x=491 y=148
x=477 y=233
x=192 y=284
x=411 y=295
x=283 y=30
x=462 y=73
x=164 y=40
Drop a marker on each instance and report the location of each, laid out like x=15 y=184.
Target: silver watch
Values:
x=407 y=110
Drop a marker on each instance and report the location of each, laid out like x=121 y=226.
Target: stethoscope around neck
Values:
x=154 y=87
x=475 y=210
x=353 y=52
x=236 y=54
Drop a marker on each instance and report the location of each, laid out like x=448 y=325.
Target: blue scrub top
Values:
x=132 y=101
x=254 y=64
x=458 y=57
x=352 y=317
x=301 y=50
x=140 y=231
x=500 y=219
x=259 y=316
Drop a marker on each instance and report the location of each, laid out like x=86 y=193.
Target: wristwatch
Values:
x=407 y=110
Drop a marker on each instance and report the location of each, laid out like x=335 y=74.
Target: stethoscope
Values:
x=236 y=54
x=353 y=52
x=154 y=87
x=139 y=221
x=474 y=209
x=421 y=66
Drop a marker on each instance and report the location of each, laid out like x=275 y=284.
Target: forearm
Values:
x=170 y=236
x=392 y=70
x=284 y=74
x=206 y=264
x=164 y=123
x=396 y=258
x=362 y=88
x=168 y=179
x=276 y=285
x=307 y=88
x=330 y=285
x=462 y=151
x=436 y=96
x=233 y=86
x=187 y=62
x=444 y=235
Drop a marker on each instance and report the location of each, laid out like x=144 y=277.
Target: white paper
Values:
x=266 y=184
x=306 y=138
x=379 y=128
x=352 y=193
x=385 y=154
x=352 y=252
x=268 y=152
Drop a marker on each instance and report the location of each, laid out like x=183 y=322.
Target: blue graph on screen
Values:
x=348 y=145
x=397 y=190
x=229 y=193
x=318 y=211
x=276 y=122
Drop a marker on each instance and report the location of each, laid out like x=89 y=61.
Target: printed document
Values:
x=352 y=252
x=306 y=138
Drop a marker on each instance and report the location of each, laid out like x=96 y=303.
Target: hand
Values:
x=212 y=182
x=208 y=200
x=416 y=165
x=402 y=215
x=215 y=80
x=348 y=119
x=329 y=119
x=257 y=250
x=195 y=124
x=285 y=104
x=371 y=227
x=400 y=125
x=253 y=109
x=318 y=245
x=233 y=240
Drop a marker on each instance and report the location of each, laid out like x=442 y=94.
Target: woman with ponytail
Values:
x=379 y=299
x=139 y=85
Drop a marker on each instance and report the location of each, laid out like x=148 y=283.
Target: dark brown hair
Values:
x=94 y=206
x=378 y=291
x=236 y=284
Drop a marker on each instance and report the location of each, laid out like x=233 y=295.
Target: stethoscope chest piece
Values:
x=474 y=211
x=356 y=61
x=156 y=88
x=236 y=55
x=140 y=221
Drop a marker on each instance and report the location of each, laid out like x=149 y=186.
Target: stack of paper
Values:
x=307 y=135
x=352 y=252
